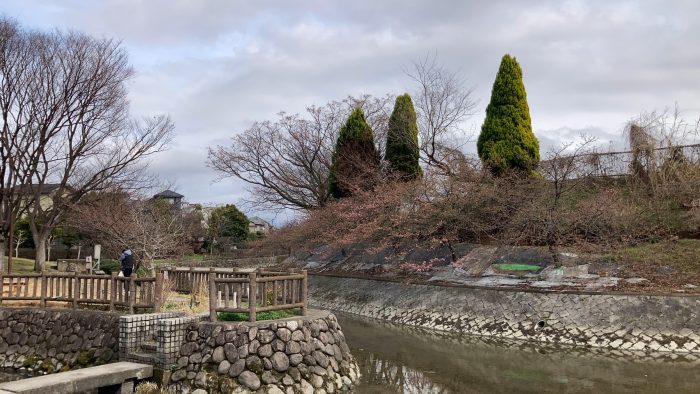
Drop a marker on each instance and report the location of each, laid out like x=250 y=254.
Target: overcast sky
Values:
x=216 y=66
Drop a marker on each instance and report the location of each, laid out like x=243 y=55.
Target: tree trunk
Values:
x=2 y=254
x=40 y=258
x=79 y=247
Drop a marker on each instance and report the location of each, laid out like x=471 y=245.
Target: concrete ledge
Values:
x=80 y=380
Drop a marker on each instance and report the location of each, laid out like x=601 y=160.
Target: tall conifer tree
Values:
x=402 y=140
x=506 y=141
x=355 y=164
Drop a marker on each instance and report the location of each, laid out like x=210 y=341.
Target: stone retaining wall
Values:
x=629 y=322
x=296 y=355
x=53 y=340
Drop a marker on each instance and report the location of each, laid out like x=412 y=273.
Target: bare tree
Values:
x=443 y=103
x=65 y=107
x=151 y=228
x=287 y=161
x=565 y=169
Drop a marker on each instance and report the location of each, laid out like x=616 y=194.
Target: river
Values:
x=397 y=359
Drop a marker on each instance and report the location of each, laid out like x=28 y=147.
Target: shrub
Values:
x=506 y=141
x=402 y=140
x=109 y=266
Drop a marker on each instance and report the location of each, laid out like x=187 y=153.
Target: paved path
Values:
x=116 y=378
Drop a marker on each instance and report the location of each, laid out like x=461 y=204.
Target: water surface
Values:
x=397 y=359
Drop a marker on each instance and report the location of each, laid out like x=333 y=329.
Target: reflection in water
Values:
x=395 y=359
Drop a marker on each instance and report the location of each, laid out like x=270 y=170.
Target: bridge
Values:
x=115 y=378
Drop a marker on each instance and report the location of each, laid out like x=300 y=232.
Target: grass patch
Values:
x=270 y=315
x=517 y=267
x=682 y=255
x=20 y=265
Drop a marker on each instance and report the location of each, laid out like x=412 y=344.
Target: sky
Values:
x=217 y=66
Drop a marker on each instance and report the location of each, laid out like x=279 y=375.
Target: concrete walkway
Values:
x=109 y=378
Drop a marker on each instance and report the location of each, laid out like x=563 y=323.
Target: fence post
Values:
x=213 y=298
x=76 y=290
x=2 y=285
x=252 y=296
x=112 y=291
x=132 y=294
x=158 y=296
x=304 y=293
x=44 y=286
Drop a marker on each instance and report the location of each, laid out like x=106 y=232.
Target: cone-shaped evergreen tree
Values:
x=402 y=140
x=506 y=141
x=355 y=164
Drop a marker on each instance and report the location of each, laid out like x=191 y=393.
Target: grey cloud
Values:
x=217 y=66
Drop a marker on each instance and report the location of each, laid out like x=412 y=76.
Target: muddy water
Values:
x=396 y=359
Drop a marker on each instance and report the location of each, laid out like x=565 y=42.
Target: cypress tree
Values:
x=402 y=140
x=506 y=141
x=355 y=164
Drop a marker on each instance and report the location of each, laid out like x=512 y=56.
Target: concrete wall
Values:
x=629 y=322
x=295 y=355
x=53 y=340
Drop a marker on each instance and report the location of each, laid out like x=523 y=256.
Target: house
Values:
x=257 y=225
x=47 y=193
x=171 y=197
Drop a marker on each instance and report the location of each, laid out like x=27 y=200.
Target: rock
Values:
x=293 y=347
x=218 y=355
x=178 y=375
x=254 y=364
x=272 y=389
x=280 y=361
x=249 y=379
x=187 y=349
x=183 y=361
x=199 y=391
x=243 y=351
x=318 y=370
x=306 y=387
x=265 y=350
x=295 y=359
x=316 y=381
x=284 y=334
x=230 y=352
x=201 y=379
x=320 y=358
x=252 y=333
x=253 y=346
x=294 y=373
x=636 y=281
x=236 y=368
x=298 y=336
x=278 y=345
x=265 y=336
x=224 y=367
x=196 y=358
x=292 y=325
x=269 y=377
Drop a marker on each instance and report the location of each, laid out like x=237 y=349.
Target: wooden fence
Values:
x=243 y=291
x=75 y=290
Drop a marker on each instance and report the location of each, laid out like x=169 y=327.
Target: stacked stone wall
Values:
x=53 y=340
x=645 y=323
x=298 y=355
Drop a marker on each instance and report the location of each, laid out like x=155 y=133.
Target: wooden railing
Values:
x=247 y=291
x=75 y=289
